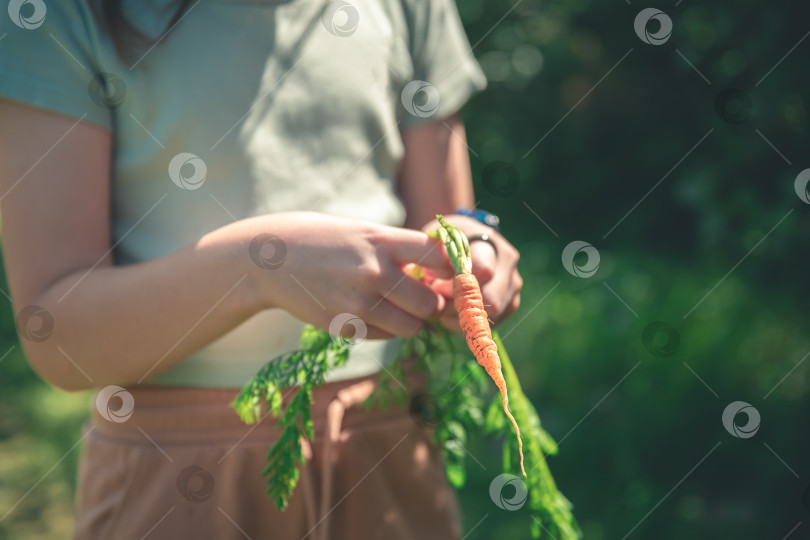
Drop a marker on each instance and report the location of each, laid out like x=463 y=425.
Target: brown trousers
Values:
x=184 y=466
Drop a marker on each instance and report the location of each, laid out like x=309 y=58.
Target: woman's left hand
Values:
x=495 y=269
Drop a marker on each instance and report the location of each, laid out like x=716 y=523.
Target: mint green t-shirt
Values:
x=245 y=108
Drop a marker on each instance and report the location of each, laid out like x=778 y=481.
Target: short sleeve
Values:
x=445 y=72
x=46 y=58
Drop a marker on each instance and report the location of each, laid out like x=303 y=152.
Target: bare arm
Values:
x=435 y=178
x=120 y=325
x=109 y=324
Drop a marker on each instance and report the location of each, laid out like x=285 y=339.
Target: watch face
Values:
x=492 y=220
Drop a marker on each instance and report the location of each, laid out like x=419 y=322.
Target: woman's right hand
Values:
x=86 y=322
x=316 y=266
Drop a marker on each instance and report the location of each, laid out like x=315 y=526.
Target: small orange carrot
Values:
x=473 y=318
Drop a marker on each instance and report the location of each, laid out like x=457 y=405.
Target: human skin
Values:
x=118 y=324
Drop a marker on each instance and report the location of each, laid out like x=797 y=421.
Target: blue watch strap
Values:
x=481 y=215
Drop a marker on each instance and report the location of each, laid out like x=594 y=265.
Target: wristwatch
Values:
x=483 y=216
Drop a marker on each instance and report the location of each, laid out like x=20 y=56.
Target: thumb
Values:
x=418 y=248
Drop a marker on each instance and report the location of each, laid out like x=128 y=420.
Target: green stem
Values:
x=552 y=511
x=458 y=248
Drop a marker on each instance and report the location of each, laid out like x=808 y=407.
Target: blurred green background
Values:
x=639 y=423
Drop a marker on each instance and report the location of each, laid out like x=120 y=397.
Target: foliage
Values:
x=304 y=368
x=458 y=386
x=455 y=408
x=552 y=510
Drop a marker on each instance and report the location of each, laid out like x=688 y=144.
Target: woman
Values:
x=184 y=185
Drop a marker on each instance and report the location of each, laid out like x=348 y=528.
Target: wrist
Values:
x=238 y=247
x=482 y=216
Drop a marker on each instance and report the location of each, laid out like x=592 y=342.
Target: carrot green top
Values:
x=458 y=247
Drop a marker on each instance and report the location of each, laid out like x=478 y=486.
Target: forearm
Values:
x=122 y=325
x=435 y=177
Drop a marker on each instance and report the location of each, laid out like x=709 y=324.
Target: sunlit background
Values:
x=678 y=163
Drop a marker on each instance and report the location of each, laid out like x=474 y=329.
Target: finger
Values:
x=493 y=308
x=450 y=322
x=484 y=261
x=448 y=311
x=513 y=307
x=378 y=333
x=508 y=311
x=393 y=320
x=448 y=317
x=356 y=329
x=443 y=287
x=428 y=276
x=417 y=247
x=413 y=297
